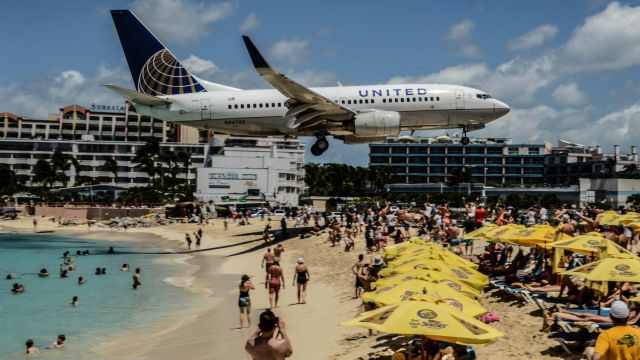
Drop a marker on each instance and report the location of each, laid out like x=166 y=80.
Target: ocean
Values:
x=108 y=305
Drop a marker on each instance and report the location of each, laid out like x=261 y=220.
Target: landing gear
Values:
x=320 y=146
x=465 y=139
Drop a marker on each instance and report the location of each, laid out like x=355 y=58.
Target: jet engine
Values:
x=375 y=124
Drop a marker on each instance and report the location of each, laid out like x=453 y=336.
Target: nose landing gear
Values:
x=320 y=146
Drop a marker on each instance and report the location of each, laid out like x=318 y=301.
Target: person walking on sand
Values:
x=277 y=253
x=198 y=238
x=301 y=276
x=264 y=343
x=226 y=224
x=244 y=301
x=275 y=279
x=137 y=279
x=35 y=223
x=188 y=240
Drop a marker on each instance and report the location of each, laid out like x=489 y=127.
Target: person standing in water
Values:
x=301 y=276
x=244 y=301
x=59 y=343
x=74 y=301
x=187 y=238
x=31 y=349
x=137 y=278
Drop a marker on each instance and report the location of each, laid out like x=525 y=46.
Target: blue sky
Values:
x=569 y=69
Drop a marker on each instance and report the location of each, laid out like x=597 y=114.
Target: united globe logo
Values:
x=163 y=74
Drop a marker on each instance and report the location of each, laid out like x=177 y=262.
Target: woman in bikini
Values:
x=244 y=301
x=301 y=276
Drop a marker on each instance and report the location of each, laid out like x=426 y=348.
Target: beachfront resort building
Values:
x=92 y=135
x=259 y=168
x=431 y=160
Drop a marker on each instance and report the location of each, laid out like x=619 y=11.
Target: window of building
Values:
x=534 y=151
x=514 y=151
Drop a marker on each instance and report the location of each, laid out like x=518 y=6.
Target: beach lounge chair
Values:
x=580 y=336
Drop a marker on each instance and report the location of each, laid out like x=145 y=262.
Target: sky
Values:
x=568 y=69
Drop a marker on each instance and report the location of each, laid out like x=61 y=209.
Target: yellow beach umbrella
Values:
x=452 y=270
x=408 y=249
x=433 y=253
x=428 y=319
x=628 y=218
x=620 y=267
x=479 y=233
x=424 y=291
x=533 y=235
x=635 y=299
x=433 y=276
x=608 y=218
x=590 y=244
x=498 y=233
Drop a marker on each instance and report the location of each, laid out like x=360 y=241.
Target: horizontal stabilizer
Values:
x=138 y=97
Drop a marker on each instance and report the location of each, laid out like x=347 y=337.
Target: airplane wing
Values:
x=138 y=97
x=308 y=107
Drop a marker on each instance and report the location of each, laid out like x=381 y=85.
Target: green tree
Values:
x=610 y=165
x=111 y=165
x=634 y=200
x=43 y=173
x=458 y=176
x=61 y=162
x=10 y=181
x=630 y=168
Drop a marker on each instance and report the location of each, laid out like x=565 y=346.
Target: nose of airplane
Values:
x=501 y=108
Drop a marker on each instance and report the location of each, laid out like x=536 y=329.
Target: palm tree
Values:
x=610 y=165
x=43 y=173
x=61 y=162
x=111 y=165
x=185 y=158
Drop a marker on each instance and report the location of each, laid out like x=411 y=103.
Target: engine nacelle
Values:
x=376 y=124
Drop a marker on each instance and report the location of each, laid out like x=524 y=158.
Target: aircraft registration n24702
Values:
x=166 y=90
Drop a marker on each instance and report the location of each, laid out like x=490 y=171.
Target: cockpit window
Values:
x=483 y=96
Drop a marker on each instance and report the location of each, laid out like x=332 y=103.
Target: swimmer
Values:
x=10 y=277
x=43 y=273
x=17 y=288
x=81 y=280
x=64 y=273
x=137 y=279
x=125 y=268
x=103 y=271
x=301 y=276
x=244 y=301
x=111 y=251
x=59 y=343
x=74 y=301
x=30 y=348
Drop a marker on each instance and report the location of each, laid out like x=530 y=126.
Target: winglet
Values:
x=256 y=58
x=138 y=97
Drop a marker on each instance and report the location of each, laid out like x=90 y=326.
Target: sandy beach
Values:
x=211 y=327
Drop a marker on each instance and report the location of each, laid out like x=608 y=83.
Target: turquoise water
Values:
x=108 y=305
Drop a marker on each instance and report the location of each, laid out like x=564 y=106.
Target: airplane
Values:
x=166 y=90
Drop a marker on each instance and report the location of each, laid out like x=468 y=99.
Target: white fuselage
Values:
x=263 y=112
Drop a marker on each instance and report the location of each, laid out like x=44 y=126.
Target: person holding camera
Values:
x=270 y=341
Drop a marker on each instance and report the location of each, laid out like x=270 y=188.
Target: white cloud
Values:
x=460 y=31
x=46 y=94
x=181 y=20
x=607 y=41
x=569 y=94
x=292 y=50
x=461 y=35
x=534 y=38
x=466 y=74
x=199 y=66
x=250 y=23
x=313 y=77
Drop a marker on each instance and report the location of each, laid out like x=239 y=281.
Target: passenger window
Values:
x=420 y=98
x=360 y=101
x=414 y=99
x=438 y=98
x=396 y=99
x=372 y=101
x=229 y=106
x=384 y=100
x=401 y=99
x=273 y=104
x=279 y=104
x=342 y=102
x=432 y=98
x=255 y=106
x=235 y=106
x=349 y=102
x=260 y=104
x=408 y=99
x=366 y=101
x=241 y=106
x=266 y=105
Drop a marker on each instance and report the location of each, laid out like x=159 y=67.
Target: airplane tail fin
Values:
x=155 y=70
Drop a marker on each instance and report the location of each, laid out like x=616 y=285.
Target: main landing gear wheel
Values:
x=321 y=145
x=465 y=140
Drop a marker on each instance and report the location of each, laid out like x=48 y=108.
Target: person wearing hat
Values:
x=622 y=341
x=376 y=266
x=301 y=276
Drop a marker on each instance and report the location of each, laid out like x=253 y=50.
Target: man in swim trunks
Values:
x=267 y=261
x=275 y=279
x=356 y=271
x=277 y=252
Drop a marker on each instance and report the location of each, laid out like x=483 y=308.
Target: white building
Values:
x=611 y=191
x=269 y=168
